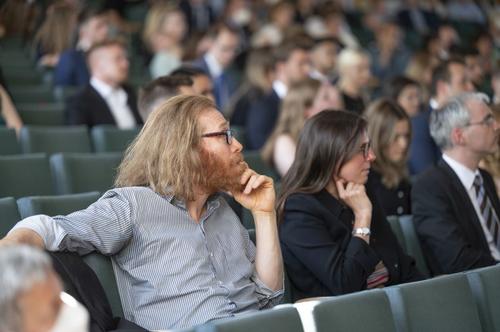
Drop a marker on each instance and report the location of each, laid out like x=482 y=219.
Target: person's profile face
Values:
x=111 y=64
x=357 y=168
x=202 y=85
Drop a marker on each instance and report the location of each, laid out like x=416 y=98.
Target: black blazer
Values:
x=322 y=257
x=87 y=107
x=261 y=120
x=446 y=222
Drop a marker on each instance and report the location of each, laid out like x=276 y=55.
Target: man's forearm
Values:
x=268 y=260
x=23 y=236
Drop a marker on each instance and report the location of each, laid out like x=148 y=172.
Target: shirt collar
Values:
x=212 y=201
x=102 y=88
x=434 y=104
x=280 y=88
x=465 y=174
x=213 y=65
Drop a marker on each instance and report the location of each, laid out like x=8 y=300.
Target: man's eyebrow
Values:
x=224 y=125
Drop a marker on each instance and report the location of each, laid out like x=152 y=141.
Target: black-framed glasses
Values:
x=228 y=133
x=365 y=149
x=488 y=120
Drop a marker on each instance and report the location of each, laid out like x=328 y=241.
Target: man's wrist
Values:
x=262 y=215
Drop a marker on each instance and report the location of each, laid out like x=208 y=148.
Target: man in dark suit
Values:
x=448 y=80
x=106 y=99
x=455 y=205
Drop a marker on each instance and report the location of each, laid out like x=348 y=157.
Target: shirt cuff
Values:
x=266 y=296
x=51 y=233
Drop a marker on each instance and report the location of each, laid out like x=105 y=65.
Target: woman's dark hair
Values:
x=397 y=85
x=327 y=142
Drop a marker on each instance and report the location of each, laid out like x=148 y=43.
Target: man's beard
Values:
x=221 y=176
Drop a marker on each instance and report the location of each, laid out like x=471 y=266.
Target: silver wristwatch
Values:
x=363 y=231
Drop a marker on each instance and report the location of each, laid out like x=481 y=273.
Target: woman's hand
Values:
x=354 y=196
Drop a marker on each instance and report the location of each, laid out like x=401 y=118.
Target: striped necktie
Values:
x=487 y=211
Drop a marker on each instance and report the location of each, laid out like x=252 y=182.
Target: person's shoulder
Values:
x=130 y=192
x=432 y=177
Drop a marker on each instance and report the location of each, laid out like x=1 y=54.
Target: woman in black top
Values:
x=390 y=130
x=334 y=237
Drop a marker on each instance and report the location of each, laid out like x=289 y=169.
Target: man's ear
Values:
x=457 y=136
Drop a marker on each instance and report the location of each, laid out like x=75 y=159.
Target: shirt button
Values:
x=401 y=194
x=211 y=255
x=400 y=210
x=396 y=266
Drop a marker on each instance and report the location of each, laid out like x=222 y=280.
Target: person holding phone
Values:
x=334 y=237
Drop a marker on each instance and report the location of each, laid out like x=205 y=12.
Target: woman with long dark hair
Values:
x=334 y=236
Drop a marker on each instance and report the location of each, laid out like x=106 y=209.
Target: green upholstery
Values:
x=54 y=139
x=8 y=141
x=255 y=162
x=485 y=287
x=412 y=243
x=9 y=215
x=103 y=268
x=25 y=175
x=83 y=172
x=284 y=319
x=372 y=313
x=30 y=91
x=49 y=117
x=396 y=229
x=107 y=138
x=441 y=304
x=55 y=205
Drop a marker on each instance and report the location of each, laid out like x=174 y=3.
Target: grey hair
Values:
x=454 y=114
x=21 y=267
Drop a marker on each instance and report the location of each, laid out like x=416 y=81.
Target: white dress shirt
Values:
x=116 y=99
x=280 y=88
x=214 y=67
x=467 y=176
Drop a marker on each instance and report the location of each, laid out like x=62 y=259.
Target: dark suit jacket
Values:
x=322 y=257
x=87 y=107
x=446 y=222
x=71 y=70
x=423 y=150
x=261 y=118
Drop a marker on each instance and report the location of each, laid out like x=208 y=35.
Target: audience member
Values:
x=491 y=163
x=324 y=59
x=455 y=205
x=202 y=84
x=448 y=80
x=9 y=115
x=407 y=93
x=389 y=130
x=280 y=18
x=354 y=76
x=31 y=299
x=106 y=99
x=334 y=237
x=165 y=212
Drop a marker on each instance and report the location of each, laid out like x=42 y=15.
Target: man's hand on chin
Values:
x=258 y=193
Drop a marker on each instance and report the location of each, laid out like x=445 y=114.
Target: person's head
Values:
x=292 y=63
x=30 y=300
x=56 y=32
x=466 y=126
x=390 y=130
x=159 y=90
x=450 y=79
x=332 y=146
x=108 y=61
x=407 y=93
x=184 y=149
x=472 y=60
x=202 y=83
x=281 y=14
x=324 y=54
x=165 y=24
x=353 y=66
x=388 y=35
x=225 y=43
x=259 y=69
x=93 y=27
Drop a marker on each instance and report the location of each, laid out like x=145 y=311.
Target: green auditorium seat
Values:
x=396 y=229
x=412 y=243
x=284 y=319
x=8 y=141
x=106 y=138
x=83 y=172
x=255 y=162
x=42 y=117
x=485 y=287
x=55 y=205
x=103 y=268
x=9 y=215
x=442 y=304
x=32 y=93
x=55 y=139
x=363 y=311
x=25 y=175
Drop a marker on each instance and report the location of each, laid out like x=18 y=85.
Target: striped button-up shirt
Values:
x=171 y=271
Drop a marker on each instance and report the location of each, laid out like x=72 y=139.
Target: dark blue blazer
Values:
x=423 y=150
x=71 y=69
x=446 y=222
x=261 y=119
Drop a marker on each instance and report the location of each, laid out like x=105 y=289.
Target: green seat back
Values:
x=412 y=243
x=9 y=215
x=55 y=139
x=107 y=138
x=55 y=205
x=441 y=304
x=103 y=268
x=8 y=141
x=363 y=311
x=31 y=91
x=485 y=287
x=43 y=117
x=255 y=162
x=83 y=172
x=396 y=229
x=25 y=175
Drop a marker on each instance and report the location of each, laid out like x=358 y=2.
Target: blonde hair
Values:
x=293 y=114
x=155 y=18
x=165 y=155
x=349 y=57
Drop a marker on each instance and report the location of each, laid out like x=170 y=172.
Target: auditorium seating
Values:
x=412 y=243
x=9 y=215
x=485 y=287
x=107 y=138
x=8 y=142
x=55 y=139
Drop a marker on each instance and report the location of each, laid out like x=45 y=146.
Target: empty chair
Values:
x=55 y=205
x=8 y=141
x=54 y=139
x=83 y=172
x=364 y=311
x=412 y=243
x=441 y=304
x=106 y=138
x=25 y=175
x=31 y=91
x=485 y=287
x=49 y=117
x=9 y=215
x=284 y=319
